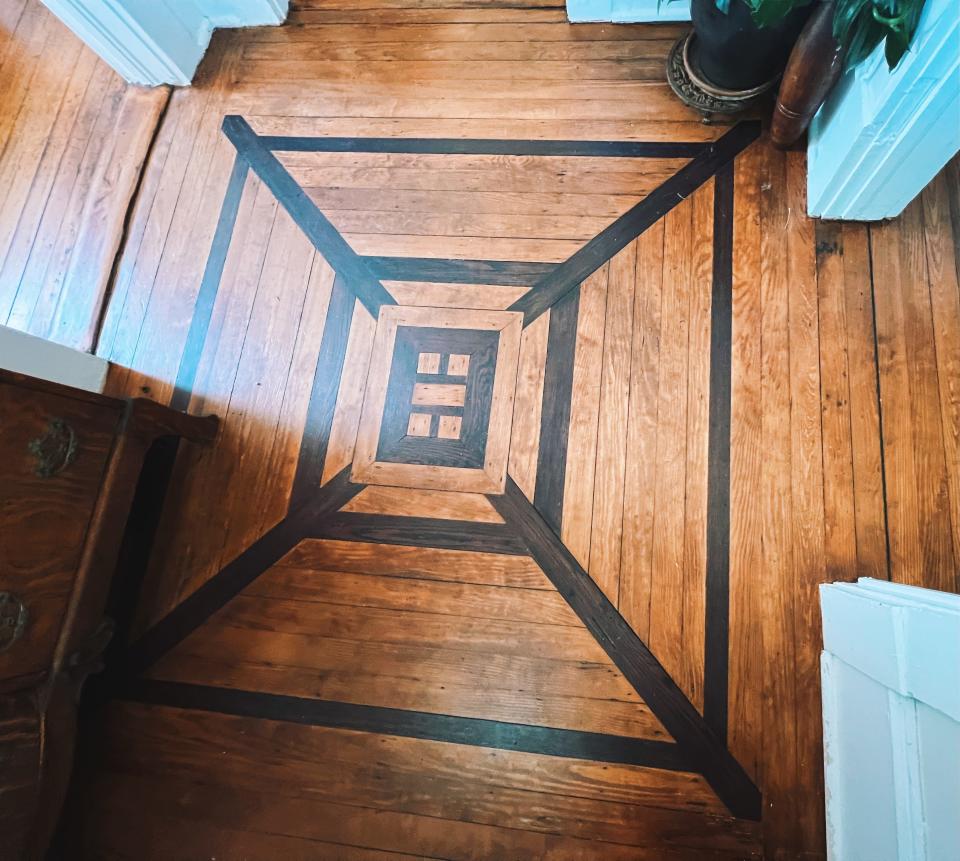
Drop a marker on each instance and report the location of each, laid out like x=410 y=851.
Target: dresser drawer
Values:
x=53 y=453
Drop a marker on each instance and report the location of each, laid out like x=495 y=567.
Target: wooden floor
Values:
x=545 y=411
x=73 y=139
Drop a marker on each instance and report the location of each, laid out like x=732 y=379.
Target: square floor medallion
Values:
x=439 y=400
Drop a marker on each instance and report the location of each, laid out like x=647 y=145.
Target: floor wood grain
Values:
x=73 y=140
x=463 y=153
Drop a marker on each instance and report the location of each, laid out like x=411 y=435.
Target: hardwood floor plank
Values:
x=855 y=541
x=921 y=549
x=647 y=99
x=433 y=50
x=253 y=413
x=419 y=563
x=173 y=830
x=292 y=424
x=808 y=505
x=200 y=173
x=346 y=418
x=609 y=477
x=348 y=664
x=780 y=767
x=149 y=226
x=443 y=295
x=641 y=437
x=28 y=127
x=527 y=406
x=747 y=654
x=940 y=238
x=103 y=218
x=580 y=477
x=193 y=494
x=10 y=17
x=550 y=199
x=840 y=520
x=466 y=127
x=525 y=791
x=43 y=185
x=455 y=32
x=666 y=597
x=417 y=627
x=424 y=503
x=447 y=694
x=443 y=61
x=555 y=131
x=349 y=824
x=705 y=407
x=597 y=177
x=463 y=15
x=404 y=592
x=869 y=505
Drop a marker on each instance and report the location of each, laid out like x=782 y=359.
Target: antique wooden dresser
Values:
x=69 y=465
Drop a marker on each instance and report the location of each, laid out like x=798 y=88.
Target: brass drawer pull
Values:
x=55 y=450
x=13 y=619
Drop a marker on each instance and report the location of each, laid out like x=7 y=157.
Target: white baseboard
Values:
x=153 y=42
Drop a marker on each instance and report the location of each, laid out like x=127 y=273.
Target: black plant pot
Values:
x=733 y=53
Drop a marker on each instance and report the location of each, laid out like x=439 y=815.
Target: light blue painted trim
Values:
x=244 y=13
x=639 y=11
x=153 y=42
x=628 y=11
x=890 y=672
x=582 y=11
x=881 y=136
x=921 y=630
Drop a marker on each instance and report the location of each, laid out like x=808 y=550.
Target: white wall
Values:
x=27 y=354
x=155 y=42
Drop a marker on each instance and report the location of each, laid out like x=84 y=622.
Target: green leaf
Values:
x=866 y=35
x=767 y=12
x=893 y=51
x=858 y=25
x=844 y=19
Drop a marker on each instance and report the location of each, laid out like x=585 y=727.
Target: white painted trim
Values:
x=628 y=11
x=154 y=42
x=46 y=360
x=891 y=679
x=882 y=136
x=920 y=630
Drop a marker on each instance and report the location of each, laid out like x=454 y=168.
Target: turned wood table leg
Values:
x=811 y=72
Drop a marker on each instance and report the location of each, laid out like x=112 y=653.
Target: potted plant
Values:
x=840 y=34
x=738 y=48
x=729 y=59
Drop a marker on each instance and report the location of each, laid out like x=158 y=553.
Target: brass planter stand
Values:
x=686 y=80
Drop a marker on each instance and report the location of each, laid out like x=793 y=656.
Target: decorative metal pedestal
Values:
x=693 y=89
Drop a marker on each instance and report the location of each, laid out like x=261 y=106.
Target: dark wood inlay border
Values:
x=266 y=551
x=477 y=732
x=485 y=146
x=317 y=227
x=499 y=273
x=555 y=412
x=583 y=263
x=658 y=690
x=421 y=532
x=324 y=393
x=468 y=451
x=315 y=512
x=717 y=616
x=209 y=286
